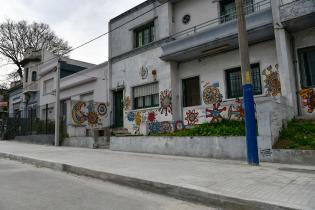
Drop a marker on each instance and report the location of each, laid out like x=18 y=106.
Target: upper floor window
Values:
x=228 y=9
x=26 y=75
x=144 y=35
x=307 y=66
x=48 y=86
x=234 y=81
x=34 y=76
x=191 y=92
x=146 y=96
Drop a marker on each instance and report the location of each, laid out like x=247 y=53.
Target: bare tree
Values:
x=17 y=37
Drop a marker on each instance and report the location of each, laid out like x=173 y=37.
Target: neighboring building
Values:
x=179 y=64
x=30 y=99
x=39 y=78
x=84 y=101
x=47 y=81
x=15 y=99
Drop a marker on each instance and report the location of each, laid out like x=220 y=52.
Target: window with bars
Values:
x=234 y=81
x=307 y=66
x=146 y=96
x=191 y=92
x=228 y=9
x=144 y=35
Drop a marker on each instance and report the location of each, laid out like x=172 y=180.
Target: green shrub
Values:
x=224 y=128
x=299 y=134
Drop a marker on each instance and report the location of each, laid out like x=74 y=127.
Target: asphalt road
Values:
x=25 y=187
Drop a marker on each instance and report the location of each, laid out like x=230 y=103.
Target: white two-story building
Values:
x=176 y=63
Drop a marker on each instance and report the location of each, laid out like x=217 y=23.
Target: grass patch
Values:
x=224 y=128
x=299 y=134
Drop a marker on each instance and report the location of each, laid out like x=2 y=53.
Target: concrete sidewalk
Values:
x=222 y=183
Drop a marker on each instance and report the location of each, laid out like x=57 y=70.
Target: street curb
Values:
x=182 y=193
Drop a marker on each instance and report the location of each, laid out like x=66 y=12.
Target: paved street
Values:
x=24 y=187
x=286 y=185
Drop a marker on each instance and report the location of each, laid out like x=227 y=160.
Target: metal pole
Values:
x=46 y=119
x=250 y=121
x=57 y=105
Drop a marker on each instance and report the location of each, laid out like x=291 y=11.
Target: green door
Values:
x=118 y=109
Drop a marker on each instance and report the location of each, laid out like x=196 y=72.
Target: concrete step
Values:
x=120 y=132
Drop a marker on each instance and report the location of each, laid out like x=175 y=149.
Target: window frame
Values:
x=184 y=99
x=302 y=70
x=135 y=103
x=34 y=78
x=141 y=30
x=224 y=14
x=257 y=90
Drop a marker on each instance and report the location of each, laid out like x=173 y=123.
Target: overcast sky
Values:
x=76 y=21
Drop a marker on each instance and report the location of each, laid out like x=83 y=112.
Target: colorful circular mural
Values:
x=211 y=95
x=78 y=115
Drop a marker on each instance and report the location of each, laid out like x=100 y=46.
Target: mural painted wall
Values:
x=158 y=119
x=89 y=114
x=308 y=100
x=214 y=109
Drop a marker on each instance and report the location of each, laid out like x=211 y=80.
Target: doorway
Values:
x=118 y=109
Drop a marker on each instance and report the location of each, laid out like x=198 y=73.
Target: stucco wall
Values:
x=127 y=73
x=200 y=11
x=212 y=69
x=122 y=38
x=210 y=147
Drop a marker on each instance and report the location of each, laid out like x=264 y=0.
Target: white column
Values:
x=285 y=58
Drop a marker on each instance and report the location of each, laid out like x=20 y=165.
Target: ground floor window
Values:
x=307 y=66
x=191 y=92
x=234 y=81
x=146 y=96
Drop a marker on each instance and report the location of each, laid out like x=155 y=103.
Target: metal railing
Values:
x=250 y=9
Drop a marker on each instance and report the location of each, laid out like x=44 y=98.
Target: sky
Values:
x=75 y=21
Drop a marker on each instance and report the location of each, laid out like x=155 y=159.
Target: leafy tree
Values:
x=17 y=37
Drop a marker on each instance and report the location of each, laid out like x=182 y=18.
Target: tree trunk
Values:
x=20 y=71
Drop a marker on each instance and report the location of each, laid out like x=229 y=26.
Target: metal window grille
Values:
x=307 y=66
x=234 y=81
x=146 y=96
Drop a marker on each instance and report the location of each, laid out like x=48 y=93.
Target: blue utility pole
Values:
x=249 y=107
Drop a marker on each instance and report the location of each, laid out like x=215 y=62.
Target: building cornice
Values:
x=138 y=51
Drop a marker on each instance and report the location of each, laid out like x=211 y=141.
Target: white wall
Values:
x=127 y=72
x=122 y=39
x=212 y=69
x=200 y=12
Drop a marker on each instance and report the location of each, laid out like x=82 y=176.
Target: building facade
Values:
x=15 y=99
x=83 y=96
x=178 y=64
